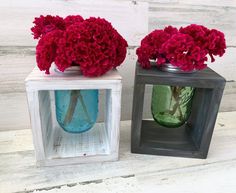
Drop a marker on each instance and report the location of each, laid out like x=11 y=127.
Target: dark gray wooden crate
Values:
x=193 y=138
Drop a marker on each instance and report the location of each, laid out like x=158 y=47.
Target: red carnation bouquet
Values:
x=187 y=48
x=93 y=44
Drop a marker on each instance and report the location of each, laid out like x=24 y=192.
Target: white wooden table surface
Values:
x=132 y=173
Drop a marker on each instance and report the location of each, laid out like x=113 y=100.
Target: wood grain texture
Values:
x=175 y=140
x=217 y=3
x=56 y=147
x=145 y=173
x=64 y=145
x=182 y=14
x=205 y=78
x=57 y=77
x=131 y=22
x=194 y=137
x=20 y=15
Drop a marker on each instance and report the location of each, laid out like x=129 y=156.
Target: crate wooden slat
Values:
x=90 y=143
x=53 y=146
x=194 y=137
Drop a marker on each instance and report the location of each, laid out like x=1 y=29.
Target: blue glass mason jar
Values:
x=76 y=110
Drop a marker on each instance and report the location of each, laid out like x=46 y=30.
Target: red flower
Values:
x=46 y=50
x=186 y=48
x=105 y=48
x=216 y=44
x=121 y=45
x=198 y=33
x=151 y=46
x=145 y=52
x=68 y=45
x=181 y=50
x=93 y=44
x=45 y=24
x=171 y=30
x=72 y=19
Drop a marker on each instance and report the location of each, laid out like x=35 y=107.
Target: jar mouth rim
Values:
x=69 y=70
x=174 y=69
x=168 y=67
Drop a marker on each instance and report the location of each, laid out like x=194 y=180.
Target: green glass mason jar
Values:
x=171 y=105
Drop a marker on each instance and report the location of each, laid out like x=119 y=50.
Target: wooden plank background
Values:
x=133 y=19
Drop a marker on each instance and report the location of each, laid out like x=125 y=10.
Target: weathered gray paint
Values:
x=193 y=138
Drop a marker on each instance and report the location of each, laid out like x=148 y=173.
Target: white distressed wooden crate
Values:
x=54 y=146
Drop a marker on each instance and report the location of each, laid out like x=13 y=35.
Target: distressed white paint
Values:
x=218 y=3
x=145 y=173
x=118 y=185
x=65 y=145
x=56 y=147
x=131 y=20
x=181 y=14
